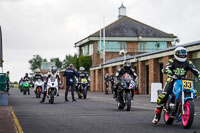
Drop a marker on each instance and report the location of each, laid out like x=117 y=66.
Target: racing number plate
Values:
x=187 y=84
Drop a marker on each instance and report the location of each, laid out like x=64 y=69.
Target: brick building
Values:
x=147 y=65
x=123 y=34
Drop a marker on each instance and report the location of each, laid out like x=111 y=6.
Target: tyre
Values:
x=24 y=91
x=52 y=97
x=188 y=117
x=128 y=101
x=168 y=120
x=85 y=94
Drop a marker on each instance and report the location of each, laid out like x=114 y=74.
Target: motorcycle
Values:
x=26 y=87
x=180 y=104
x=107 y=87
x=126 y=88
x=82 y=91
x=38 y=85
x=52 y=89
x=21 y=86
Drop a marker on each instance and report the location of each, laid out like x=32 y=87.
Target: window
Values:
x=82 y=51
x=90 y=49
x=112 y=46
x=151 y=46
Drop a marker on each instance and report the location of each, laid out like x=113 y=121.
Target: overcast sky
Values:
x=51 y=27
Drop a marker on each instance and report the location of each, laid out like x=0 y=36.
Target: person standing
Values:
x=7 y=82
x=70 y=74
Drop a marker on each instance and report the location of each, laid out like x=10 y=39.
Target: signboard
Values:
x=156 y=88
x=1 y=49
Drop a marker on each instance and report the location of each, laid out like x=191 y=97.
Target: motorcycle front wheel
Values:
x=85 y=93
x=188 y=117
x=128 y=101
x=52 y=97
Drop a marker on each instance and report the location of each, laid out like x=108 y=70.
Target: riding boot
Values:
x=157 y=115
x=44 y=96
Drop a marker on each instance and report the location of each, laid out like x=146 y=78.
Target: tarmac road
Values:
x=97 y=114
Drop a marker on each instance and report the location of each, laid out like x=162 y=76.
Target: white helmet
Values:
x=82 y=69
x=180 y=54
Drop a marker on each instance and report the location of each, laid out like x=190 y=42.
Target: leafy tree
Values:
x=57 y=61
x=36 y=61
x=69 y=59
x=86 y=62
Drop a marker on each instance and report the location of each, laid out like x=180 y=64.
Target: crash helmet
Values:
x=53 y=69
x=180 y=54
x=82 y=69
x=127 y=65
x=26 y=74
x=37 y=71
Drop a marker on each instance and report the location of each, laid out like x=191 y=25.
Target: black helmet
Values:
x=26 y=74
x=127 y=65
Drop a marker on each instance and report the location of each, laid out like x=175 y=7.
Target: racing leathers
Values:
x=82 y=75
x=49 y=75
x=120 y=73
x=179 y=70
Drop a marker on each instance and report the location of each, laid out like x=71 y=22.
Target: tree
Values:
x=86 y=62
x=36 y=61
x=57 y=61
x=69 y=59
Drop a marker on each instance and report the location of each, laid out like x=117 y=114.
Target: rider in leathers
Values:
x=52 y=73
x=27 y=78
x=82 y=74
x=178 y=67
x=125 y=69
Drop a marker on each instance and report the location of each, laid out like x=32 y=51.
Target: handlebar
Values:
x=183 y=78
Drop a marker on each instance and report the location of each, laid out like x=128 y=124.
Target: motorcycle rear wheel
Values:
x=167 y=119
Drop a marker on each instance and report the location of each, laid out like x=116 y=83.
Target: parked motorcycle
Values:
x=38 y=85
x=52 y=89
x=82 y=89
x=126 y=88
x=180 y=104
x=26 y=87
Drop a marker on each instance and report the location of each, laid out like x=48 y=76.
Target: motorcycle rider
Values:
x=126 y=68
x=82 y=74
x=112 y=79
x=178 y=67
x=37 y=76
x=27 y=78
x=52 y=73
x=106 y=80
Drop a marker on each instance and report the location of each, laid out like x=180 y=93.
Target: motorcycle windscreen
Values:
x=52 y=79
